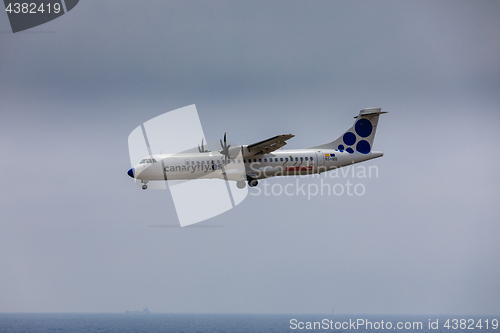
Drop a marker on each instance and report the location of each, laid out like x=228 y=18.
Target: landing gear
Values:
x=144 y=187
x=253 y=182
x=241 y=184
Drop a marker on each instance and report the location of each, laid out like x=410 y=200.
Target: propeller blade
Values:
x=202 y=148
x=225 y=148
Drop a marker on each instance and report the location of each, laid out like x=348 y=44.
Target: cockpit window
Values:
x=148 y=160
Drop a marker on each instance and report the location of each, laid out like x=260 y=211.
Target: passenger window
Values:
x=260 y=160
x=265 y=160
x=218 y=161
x=281 y=159
x=301 y=159
x=296 y=159
x=276 y=159
x=311 y=158
x=286 y=159
x=254 y=160
x=244 y=160
x=306 y=158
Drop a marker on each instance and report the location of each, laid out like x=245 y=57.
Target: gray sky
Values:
x=76 y=232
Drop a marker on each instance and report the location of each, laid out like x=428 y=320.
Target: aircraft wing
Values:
x=267 y=146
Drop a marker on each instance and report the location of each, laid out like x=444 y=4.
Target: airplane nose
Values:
x=131 y=173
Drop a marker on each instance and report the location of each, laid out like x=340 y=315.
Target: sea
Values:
x=234 y=323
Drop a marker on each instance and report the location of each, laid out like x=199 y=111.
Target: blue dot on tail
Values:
x=349 y=150
x=363 y=127
x=363 y=147
x=349 y=138
x=341 y=147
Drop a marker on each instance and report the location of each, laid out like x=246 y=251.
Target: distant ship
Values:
x=145 y=310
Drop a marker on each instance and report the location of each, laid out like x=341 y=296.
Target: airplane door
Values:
x=157 y=170
x=320 y=157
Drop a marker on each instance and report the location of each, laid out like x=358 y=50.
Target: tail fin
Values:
x=360 y=136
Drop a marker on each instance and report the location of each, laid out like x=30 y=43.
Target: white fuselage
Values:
x=211 y=165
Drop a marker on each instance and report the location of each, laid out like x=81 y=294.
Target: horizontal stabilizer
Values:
x=370 y=112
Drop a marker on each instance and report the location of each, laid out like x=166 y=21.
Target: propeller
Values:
x=225 y=149
x=202 y=149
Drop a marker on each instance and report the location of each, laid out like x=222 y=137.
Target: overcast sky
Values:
x=77 y=235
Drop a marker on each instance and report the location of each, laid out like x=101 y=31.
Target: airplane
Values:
x=250 y=163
